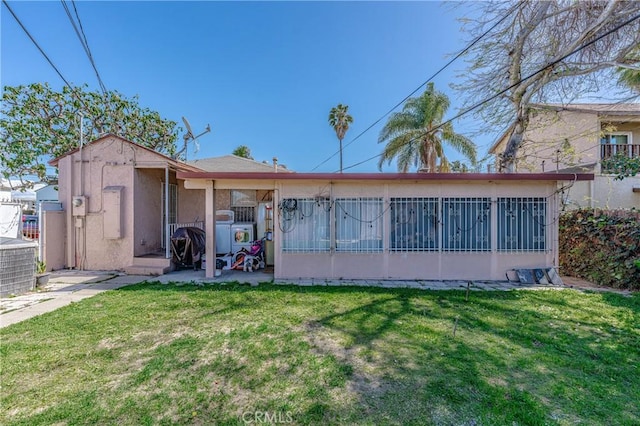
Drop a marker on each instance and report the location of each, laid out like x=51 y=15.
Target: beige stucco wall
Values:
x=424 y=265
x=550 y=131
x=605 y=192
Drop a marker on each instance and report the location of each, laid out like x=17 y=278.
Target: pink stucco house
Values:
x=115 y=217
x=333 y=226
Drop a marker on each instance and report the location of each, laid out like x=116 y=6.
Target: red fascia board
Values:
x=388 y=176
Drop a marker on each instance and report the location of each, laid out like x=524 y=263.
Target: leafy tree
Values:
x=243 y=151
x=340 y=120
x=458 y=166
x=37 y=123
x=629 y=75
x=541 y=52
x=416 y=135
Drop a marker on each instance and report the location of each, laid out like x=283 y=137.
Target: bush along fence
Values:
x=601 y=246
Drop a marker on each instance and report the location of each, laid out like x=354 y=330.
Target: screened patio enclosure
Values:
x=406 y=226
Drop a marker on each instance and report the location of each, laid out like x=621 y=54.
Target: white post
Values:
x=40 y=227
x=210 y=229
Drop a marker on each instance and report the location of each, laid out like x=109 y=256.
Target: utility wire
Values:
x=35 y=43
x=489 y=99
x=102 y=85
x=73 y=91
x=462 y=52
x=83 y=39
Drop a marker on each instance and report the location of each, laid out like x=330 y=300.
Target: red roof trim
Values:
x=387 y=176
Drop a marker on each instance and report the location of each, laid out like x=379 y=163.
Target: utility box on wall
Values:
x=112 y=205
x=79 y=203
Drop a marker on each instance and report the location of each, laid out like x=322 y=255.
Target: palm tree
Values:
x=340 y=119
x=243 y=151
x=415 y=136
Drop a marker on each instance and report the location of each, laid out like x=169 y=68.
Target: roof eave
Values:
x=388 y=176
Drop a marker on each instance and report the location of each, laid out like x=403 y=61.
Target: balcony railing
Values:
x=609 y=150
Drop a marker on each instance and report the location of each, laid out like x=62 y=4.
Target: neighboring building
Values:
x=424 y=226
x=6 y=186
x=16 y=191
x=233 y=163
x=47 y=193
x=576 y=138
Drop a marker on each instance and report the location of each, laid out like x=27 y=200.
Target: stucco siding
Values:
x=147 y=211
x=53 y=240
x=191 y=204
x=427 y=265
x=136 y=174
x=102 y=253
x=605 y=192
x=575 y=135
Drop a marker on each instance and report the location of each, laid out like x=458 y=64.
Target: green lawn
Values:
x=167 y=354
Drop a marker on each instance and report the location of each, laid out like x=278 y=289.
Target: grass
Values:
x=233 y=354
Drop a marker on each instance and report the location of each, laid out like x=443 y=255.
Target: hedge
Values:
x=601 y=246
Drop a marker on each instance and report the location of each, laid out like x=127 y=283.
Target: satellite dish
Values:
x=190 y=137
x=189 y=134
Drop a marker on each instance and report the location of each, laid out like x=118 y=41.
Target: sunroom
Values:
x=403 y=226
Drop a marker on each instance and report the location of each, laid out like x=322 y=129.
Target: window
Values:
x=618 y=143
x=358 y=225
x=243 y=205
x=414 y=224
x=466 y=224
x=243 y=198
x=522 y=224
x=305 y=225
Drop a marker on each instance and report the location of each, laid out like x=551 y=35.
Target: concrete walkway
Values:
x=66 y=287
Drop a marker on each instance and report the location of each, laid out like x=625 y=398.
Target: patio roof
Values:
x=405 y=177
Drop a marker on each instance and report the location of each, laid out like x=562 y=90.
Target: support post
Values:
x=167 y=237
x=210 y=229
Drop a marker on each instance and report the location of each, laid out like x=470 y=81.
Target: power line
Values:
x=489 y=99
x=83 y=39
x=104 y=89
x=462 y=52
x=73 y=91
x=35 y=42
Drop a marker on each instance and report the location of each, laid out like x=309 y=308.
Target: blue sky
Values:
x=262 y=74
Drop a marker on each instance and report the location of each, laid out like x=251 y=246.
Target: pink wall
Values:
x=147 y=211
x=53 y=239
x=111 y=162
x=439 y=265
x=191 y=204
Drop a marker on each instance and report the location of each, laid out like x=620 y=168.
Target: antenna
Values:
x=189 y=134
x=190 y=137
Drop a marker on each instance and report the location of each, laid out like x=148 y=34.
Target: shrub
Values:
x=601 y=246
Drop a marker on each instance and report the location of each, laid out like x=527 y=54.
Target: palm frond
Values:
x=415 y=135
